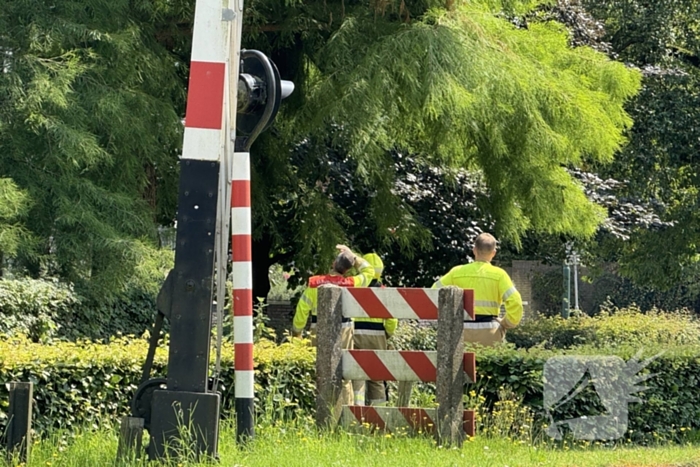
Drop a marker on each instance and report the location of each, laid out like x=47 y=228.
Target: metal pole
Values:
x=191 y=291
x=566 y=299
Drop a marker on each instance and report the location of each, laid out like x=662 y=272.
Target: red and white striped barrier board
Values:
x=401 y=365
x=398 y=418
x=398 y=303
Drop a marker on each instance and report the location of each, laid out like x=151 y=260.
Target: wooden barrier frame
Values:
x=449 y=419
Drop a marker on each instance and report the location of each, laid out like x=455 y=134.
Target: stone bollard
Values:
x=19 y=428
x=130 y=438
x=450 y=368
x=329 y=370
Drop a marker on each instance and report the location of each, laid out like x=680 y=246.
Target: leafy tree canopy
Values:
x=659 y=166
x=455 y=84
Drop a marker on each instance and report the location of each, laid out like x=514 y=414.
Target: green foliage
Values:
x=664 y=409
x=78 y=383
x=650 y=32
x=34 y=307
x=415 y=335
x=83 y=383
x=514 y=104
x=48 y=308
x=610 y=328
x=448 y=85
x=89 y=131
x=14 y=204
x=658 y=165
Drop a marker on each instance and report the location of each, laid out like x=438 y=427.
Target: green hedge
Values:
x=85 y=382
x=613 y=327
x=609 y=328
x=78 y=383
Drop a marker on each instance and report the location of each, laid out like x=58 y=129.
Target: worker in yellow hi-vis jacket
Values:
x=308 y=302
x=492 y=288
x=372 y=334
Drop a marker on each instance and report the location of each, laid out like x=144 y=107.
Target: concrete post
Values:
x=19 y=429
x=329 y=370
x=130 y=438
x=450 y=371
x=404 y=389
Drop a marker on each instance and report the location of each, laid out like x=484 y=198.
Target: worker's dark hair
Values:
x=343 y=262
x=485 y=243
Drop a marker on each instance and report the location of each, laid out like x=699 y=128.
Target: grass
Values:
x=291 y=446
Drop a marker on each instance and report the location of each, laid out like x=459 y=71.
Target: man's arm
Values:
x=303 y=310
x=390 y=326
x=513 y=302
x=366 y=273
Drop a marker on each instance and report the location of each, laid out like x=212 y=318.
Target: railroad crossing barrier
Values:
x=449 y=367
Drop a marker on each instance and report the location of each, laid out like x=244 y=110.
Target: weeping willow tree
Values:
x=478 y=85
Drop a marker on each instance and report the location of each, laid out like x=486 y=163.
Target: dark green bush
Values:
x=131 y=313
x=668 y=404
x=34 y=307
x=84 y=382
x=42 y=309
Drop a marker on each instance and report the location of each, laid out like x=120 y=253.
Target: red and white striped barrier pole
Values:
x=393 y=419
x=242 y=294
x=398 y=365
x=190 y=322
x=401 y=303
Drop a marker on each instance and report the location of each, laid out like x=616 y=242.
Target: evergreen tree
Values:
x=90 y=107
x=13 y=206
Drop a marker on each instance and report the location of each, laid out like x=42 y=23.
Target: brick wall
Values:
x=281 y=314
x=523 y=274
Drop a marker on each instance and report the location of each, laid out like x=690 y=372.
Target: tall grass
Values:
x=504 y=438
x=299 y=445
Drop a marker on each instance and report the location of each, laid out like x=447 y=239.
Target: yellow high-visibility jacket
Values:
x=492 y=287
x=309 y=299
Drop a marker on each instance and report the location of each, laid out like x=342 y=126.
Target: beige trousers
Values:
x=488 y=333
x=369 y=392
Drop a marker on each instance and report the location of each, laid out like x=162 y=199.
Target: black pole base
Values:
x=245 y=410
x=184 y=424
